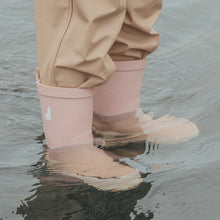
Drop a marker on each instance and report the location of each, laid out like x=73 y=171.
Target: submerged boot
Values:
x=116 y=102
x=118 y=119
x=67 y=121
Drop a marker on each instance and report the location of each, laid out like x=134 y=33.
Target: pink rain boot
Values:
x=118 y=119
x=121 y=93
x=67 y=122
x=66 y=114
x=116 y=102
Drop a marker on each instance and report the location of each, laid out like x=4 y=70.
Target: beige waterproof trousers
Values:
x=78 y=40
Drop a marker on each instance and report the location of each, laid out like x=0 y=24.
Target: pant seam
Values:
x=123 y=4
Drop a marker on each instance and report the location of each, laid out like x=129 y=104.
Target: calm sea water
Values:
x=182 y=78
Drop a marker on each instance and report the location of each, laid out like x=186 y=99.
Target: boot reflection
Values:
x=93 y=166
x=127 y=151
x=56 y=196
x=137 y=127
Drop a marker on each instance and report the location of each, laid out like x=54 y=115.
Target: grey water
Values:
x=182 y=79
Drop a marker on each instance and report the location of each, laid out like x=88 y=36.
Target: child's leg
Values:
x=137 y=38
x=73 y=38
x=117 y=117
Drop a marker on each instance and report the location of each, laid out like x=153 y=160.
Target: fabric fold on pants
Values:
x=78 y=40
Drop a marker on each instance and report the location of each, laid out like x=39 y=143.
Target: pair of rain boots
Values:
x=74 y=120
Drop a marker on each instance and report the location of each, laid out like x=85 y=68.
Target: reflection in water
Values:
x=59 y=197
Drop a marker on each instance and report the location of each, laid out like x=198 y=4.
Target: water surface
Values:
x=181 y=79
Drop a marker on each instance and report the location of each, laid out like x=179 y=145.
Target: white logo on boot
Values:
x=48 y=114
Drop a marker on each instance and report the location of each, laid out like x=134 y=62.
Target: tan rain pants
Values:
x=78 y=40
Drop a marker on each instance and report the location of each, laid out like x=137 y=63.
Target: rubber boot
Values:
x=66 y=114
x=121 y=93
x=67 y=122
x=118 y=119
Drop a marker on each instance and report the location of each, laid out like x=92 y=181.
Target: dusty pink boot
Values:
x=118 y=119
x=66 y=114
x=67 y=122
x=115 y=105
x=121 y=93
